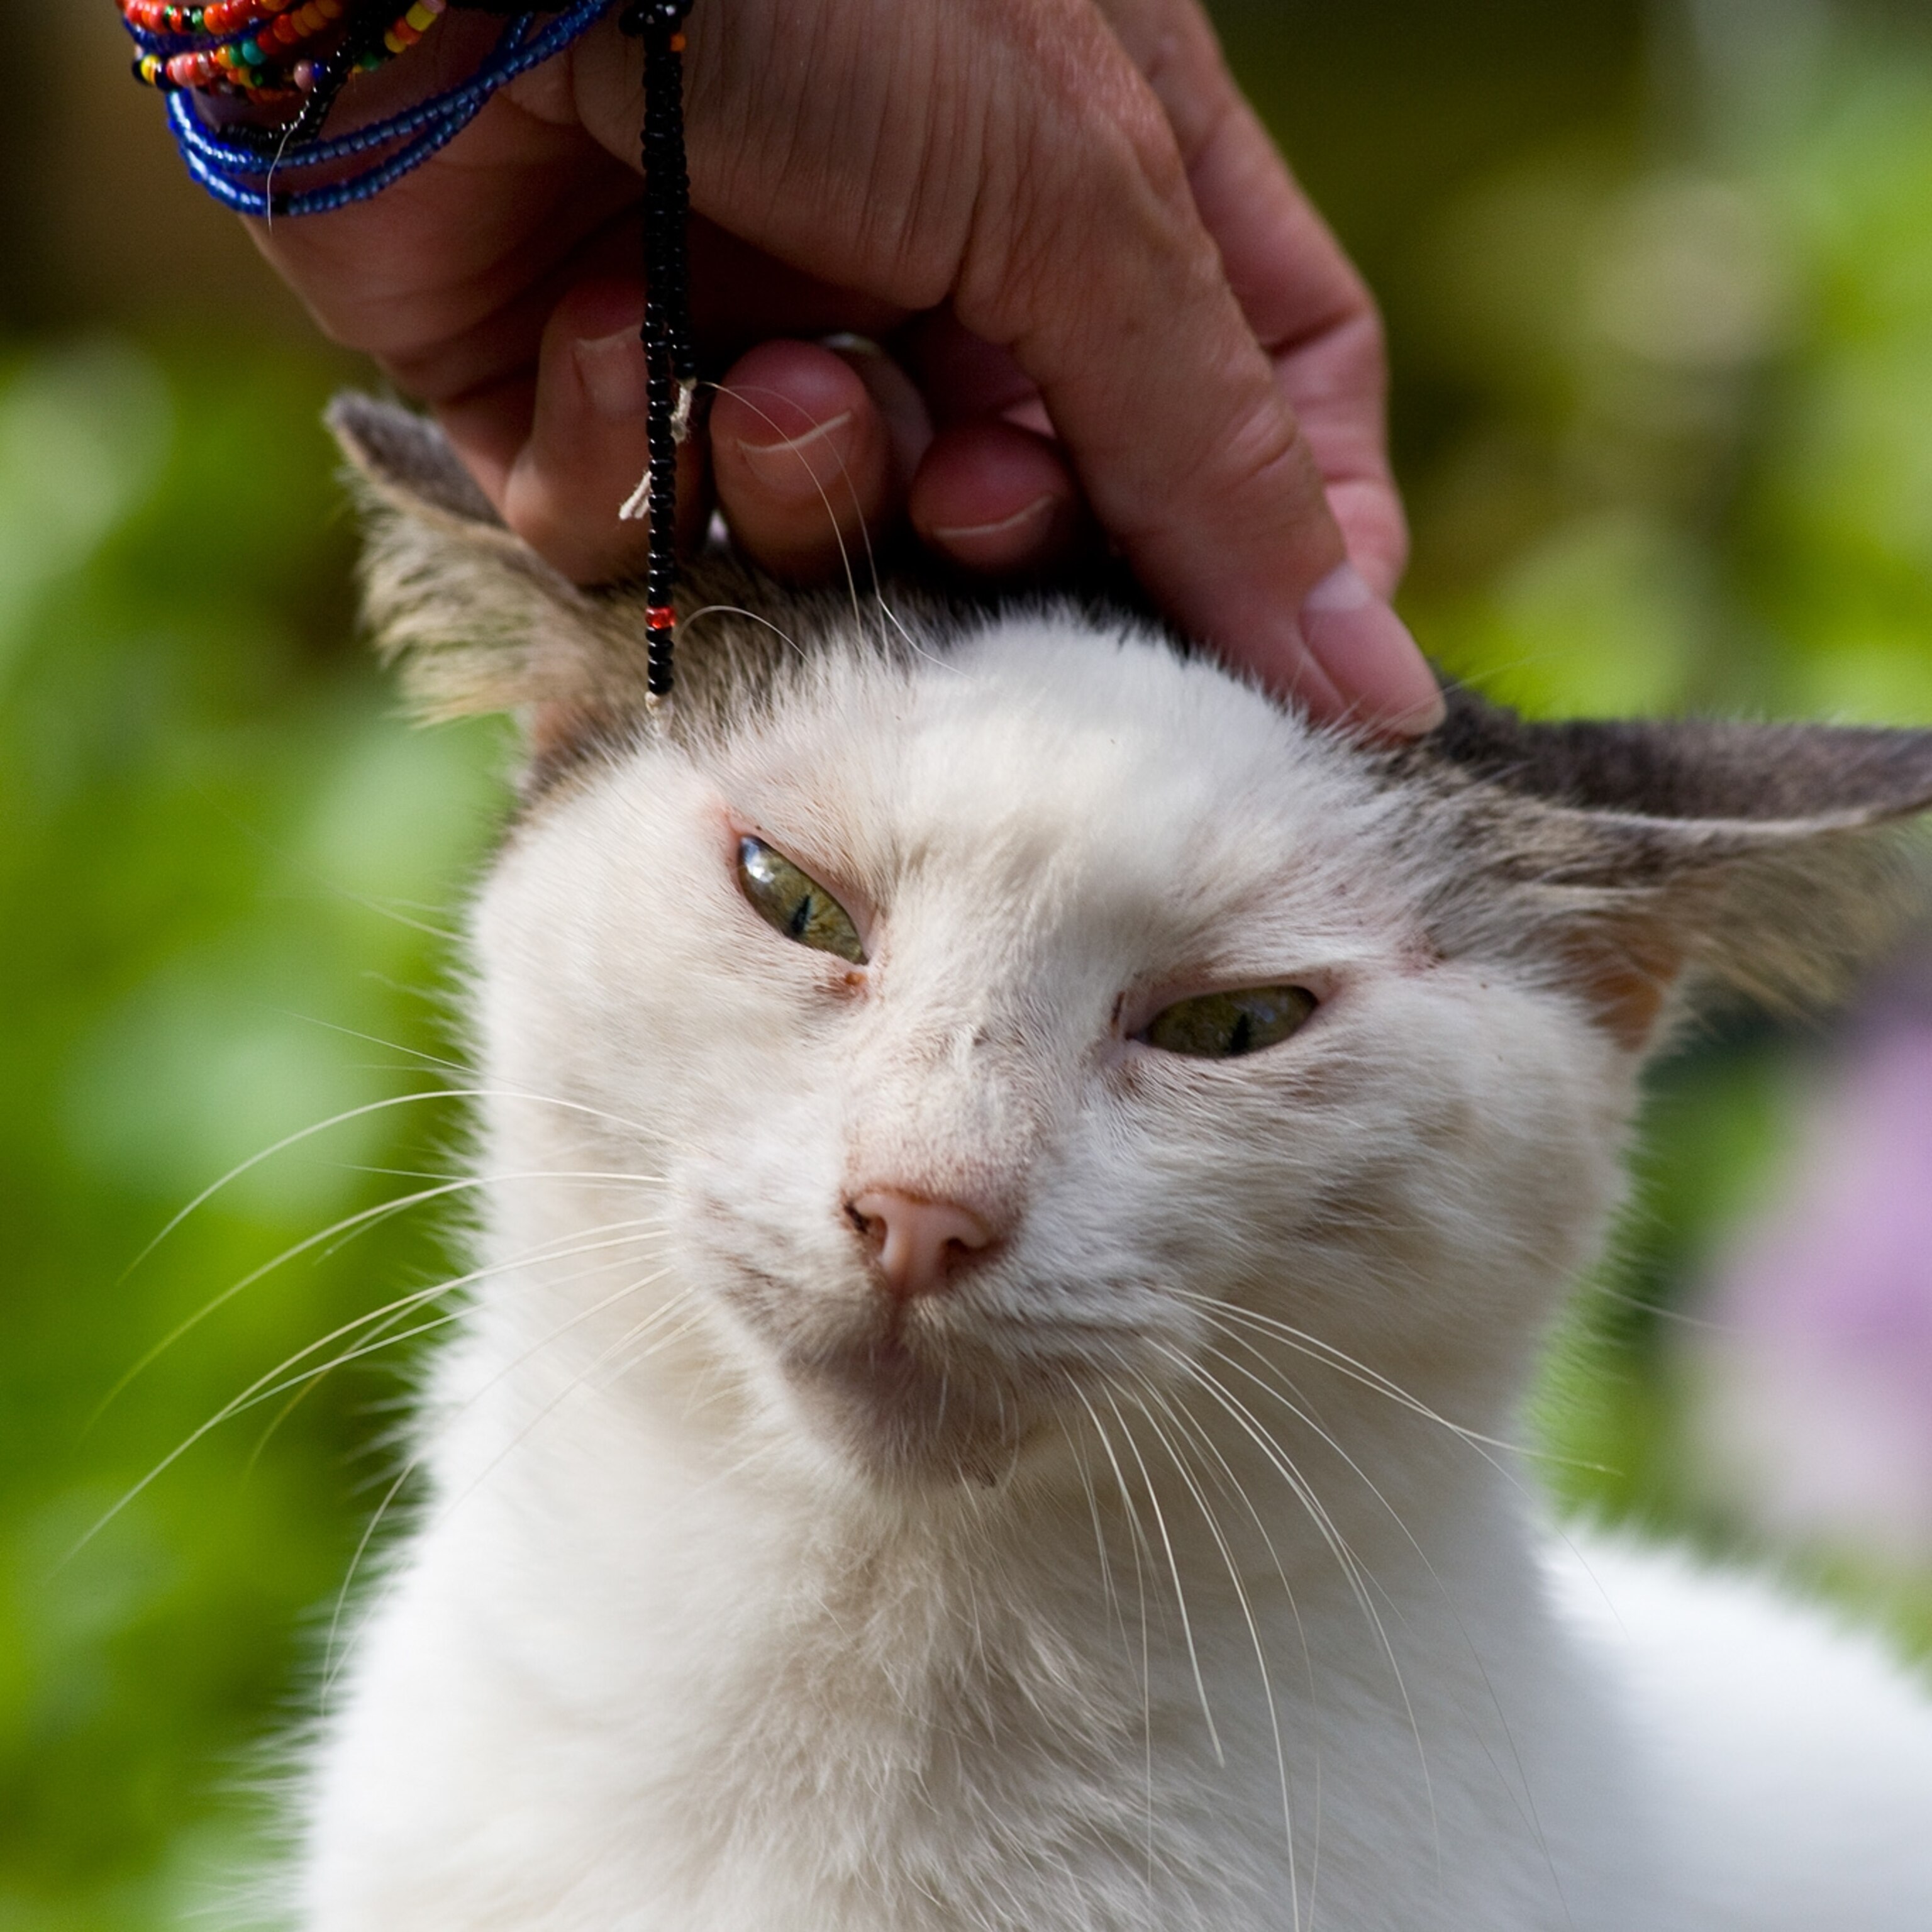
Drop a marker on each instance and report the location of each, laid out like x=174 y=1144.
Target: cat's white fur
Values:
x=1187 y=1587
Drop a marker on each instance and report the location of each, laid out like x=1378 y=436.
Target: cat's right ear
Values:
x=1629 y=860
x=476 y=619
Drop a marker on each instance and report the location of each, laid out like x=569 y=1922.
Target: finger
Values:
x=588 y=445
x=447 y=277
x=1318 y=322
x=1193 y=458
x=802 y=458
x=1191 y=452
x=1305 y=302
x=995 y=499
x=961 y=376
x=897 y=397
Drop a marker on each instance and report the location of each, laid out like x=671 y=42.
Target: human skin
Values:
x=1103 y=301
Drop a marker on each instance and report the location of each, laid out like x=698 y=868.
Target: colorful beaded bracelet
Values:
x=292 y=59
x=295 y=57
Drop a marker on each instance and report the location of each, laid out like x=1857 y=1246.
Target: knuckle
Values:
x=1345 y=367
x=1262 y=455
x=1080 y=159
x=1260 y=468
x=1145 y=142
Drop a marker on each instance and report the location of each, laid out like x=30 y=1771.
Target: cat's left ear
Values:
x=1629 y=860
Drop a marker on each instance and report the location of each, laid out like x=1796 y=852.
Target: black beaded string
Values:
x=670 y=359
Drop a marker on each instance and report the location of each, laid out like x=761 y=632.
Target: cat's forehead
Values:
x=1043 y=756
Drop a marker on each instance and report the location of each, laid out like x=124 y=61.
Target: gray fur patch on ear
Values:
x=1628 y=855
x=406 y=456
x=1692 y=769
x=478 y=623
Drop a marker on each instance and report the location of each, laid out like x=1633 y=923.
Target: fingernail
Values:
x=616 y=376
x=800 y=466
x=1041 y=507
x=1369 y=655
x=844 y=342
x=894 y=394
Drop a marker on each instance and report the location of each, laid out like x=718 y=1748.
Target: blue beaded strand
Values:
x=240 y=175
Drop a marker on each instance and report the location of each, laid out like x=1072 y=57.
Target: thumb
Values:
x=1186 y=440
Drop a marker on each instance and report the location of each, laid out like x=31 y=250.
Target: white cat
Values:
x=1024 y=1186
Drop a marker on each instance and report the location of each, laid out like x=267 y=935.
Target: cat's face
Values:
x=927 y=1021
x=1036 y=847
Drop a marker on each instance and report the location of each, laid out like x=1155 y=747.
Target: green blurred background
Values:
x=1659 y=282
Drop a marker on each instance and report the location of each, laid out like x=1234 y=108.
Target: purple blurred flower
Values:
x=1821 y=1355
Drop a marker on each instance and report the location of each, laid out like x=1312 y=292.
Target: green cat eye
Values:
x=795 y=904
x=1224 y=1026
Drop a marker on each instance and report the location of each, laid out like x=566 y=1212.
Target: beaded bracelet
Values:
x=292 y=58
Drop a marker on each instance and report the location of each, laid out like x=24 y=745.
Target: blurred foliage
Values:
x=219 y=854
x=1664 y=407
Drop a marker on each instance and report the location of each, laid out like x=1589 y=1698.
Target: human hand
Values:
x=1103 y=292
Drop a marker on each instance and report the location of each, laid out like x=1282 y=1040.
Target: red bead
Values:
x=660 y=617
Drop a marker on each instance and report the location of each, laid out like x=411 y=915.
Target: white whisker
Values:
x=739 y=611
x=331 y=1647
x=1137 y=1546
x=1185 y=1417
x=1358 y=1576
x=831 y=515
x=1174 y=1570
x=1325 y=1352
x=336 y=1233
x=362 y=1112
x=278 y=1381
x=1214 y=1530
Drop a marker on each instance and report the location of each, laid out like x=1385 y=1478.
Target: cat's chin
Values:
x=905 y=1415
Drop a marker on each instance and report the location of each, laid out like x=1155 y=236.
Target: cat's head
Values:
x=1008 y=1016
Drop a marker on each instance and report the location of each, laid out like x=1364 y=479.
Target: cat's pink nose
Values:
x=918 y=1243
